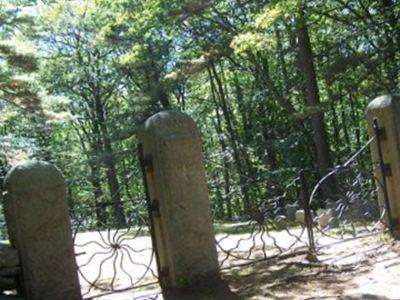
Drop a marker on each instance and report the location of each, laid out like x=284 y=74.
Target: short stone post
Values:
x=384 y=111
x=177 y=189
x=38 y=223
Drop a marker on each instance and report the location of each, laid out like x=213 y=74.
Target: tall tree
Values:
x=80 y=65
x=306 y=62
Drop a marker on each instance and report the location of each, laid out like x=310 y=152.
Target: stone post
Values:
x=38 y=223
x=177 y=189
x=386 y=111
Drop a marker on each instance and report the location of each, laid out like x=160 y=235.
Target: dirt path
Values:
x=360 y=269
x=367 y=268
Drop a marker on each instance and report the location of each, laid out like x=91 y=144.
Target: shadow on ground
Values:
x=297 y=279
x=221 y=292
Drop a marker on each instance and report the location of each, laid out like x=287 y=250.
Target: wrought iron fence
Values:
x=271 y=227
x=279 y=220
x=112 y=259
x=351 y=209
x=342 y=205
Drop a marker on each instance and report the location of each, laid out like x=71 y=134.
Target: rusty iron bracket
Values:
x=164 y=274
x=381 y=131
x=155 y=207
x=387 y=170
x=395 y=222
x=148 y=163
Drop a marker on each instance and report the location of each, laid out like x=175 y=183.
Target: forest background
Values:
x=275 y=87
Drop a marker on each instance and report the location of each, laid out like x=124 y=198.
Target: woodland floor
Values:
x=360 y=269
x=367 y=268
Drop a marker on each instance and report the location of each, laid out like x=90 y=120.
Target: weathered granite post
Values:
x=177 y=188
x=383 y=115
x=36 y=212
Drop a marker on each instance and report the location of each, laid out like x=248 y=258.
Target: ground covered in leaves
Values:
x=367 y=268
x=364 y=268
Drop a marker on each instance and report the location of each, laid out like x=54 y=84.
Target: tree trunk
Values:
x=392 y=46
x=218 y=127
x=232 y=135
x=109 y=162
x=94 y=166
x=320 y=136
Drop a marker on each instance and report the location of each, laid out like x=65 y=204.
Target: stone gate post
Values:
x=38 y=223
x=385 y=110
x=180 y=206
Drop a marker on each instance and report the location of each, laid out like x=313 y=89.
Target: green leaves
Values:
x=259 y=35
x=255 y=42
x=233 y=65
x=276 y=12
x=17 y=63
x=22 y=62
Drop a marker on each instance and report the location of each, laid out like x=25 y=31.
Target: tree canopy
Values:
x=275 y=86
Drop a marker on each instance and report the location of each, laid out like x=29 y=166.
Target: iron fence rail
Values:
x=291 y=221
x=112 y=259
x=350 y=211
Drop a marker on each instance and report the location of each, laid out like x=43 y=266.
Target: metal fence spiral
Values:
x=112 y=259
x=342 y=205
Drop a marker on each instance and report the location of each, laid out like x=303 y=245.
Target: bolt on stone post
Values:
x=38 y=223
x=384 y=112
x=180 y=207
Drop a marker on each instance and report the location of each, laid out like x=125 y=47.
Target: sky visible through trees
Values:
x=275 y=86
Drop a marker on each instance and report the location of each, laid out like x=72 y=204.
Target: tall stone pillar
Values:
x=384 y=112
x=177 y=189
x=38 y=223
